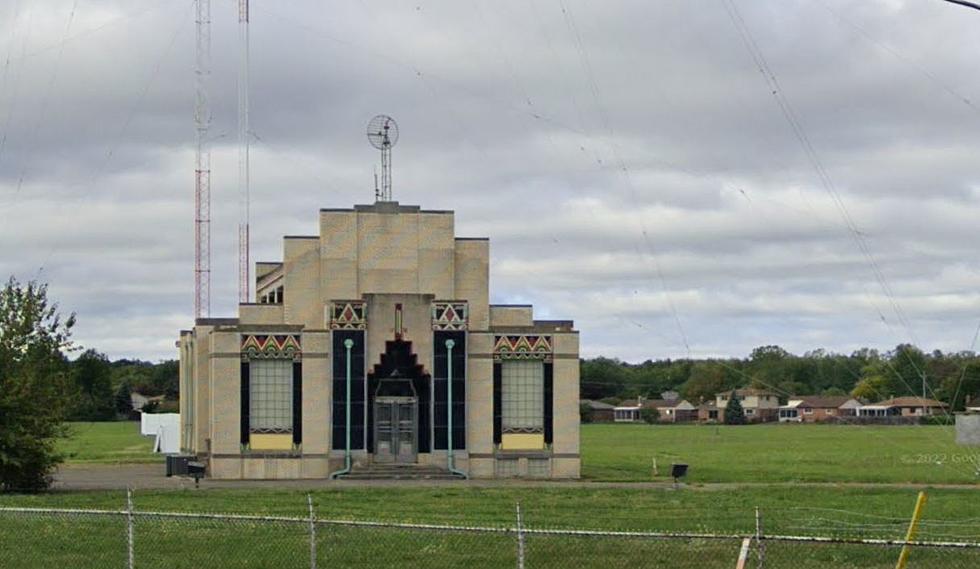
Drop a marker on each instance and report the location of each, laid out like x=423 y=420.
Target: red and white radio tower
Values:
x=244 y=280
x=202 y=166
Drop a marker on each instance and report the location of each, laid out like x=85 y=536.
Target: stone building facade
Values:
x=375 y=342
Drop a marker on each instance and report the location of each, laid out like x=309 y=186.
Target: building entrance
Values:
x=396 y=429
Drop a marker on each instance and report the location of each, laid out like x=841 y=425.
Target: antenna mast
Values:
x=202 y=165
x=382 y=133
x=244 y=280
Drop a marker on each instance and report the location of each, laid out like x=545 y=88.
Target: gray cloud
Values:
x=627 y=159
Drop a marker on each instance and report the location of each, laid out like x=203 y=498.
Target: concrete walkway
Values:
x=152 y=476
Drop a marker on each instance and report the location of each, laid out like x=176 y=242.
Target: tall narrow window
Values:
x=522 y=396
x=270 y=396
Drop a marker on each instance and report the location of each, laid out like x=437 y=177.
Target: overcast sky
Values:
x=628 y=160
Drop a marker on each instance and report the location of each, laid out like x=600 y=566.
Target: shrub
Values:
x=649 y=415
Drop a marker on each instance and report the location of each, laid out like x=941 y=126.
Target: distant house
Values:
x=669 y=410
x=817 y=409
x=903 y=407
x=677 y=411
x=601 y=412
x=760 y=405
x=628 y=411
x=708 y=412
x=138 y=400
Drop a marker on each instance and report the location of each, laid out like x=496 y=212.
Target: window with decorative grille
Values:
x=270 y=396
x=522 y=396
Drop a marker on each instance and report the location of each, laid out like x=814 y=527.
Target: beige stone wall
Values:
x=186 y=386
x=269 y=468
x=472 y=279
x=260 y=314
x=301 y=262
x=436 y=243
x=226 y=387
x=202 y=383
x=316 y=392
x=338 y=255
x=566 y=394
x=505 y=316
x=479 y=394
x=387 y=253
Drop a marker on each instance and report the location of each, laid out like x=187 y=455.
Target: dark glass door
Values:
x=395 y=429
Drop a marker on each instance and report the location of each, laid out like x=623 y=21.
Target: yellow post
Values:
x=920 y=503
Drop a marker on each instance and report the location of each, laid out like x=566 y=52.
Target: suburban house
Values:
x=759 y=405
x=903 y=407
x=678 y=411
x=138 y=400
x=601 y=412
x=708 y=412
x=627 y=412
x=816 y=409
x=670 y=410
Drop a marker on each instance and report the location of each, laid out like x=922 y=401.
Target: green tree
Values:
x=769 y=366
x=908 y=368
x=706 y=379
x=649 y=415
x=602 y=377
x=875 y=387
x=34 y=384
x=734 y=412
x=963 y=388
x=124 y=399
x=91 y=374
x=585 y=413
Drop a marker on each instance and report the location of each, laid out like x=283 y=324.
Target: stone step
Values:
x=376 y=476
x=399 y=472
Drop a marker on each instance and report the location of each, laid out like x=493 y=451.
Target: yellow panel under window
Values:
x=259 y=441
x=521 y=441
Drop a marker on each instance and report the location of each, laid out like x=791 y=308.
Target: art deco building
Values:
x=375 y=343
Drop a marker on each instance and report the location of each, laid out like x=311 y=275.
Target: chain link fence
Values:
x=48 y=538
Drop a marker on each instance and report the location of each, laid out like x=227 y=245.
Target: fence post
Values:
x=129 y=529
x=309 y=501
x=903 y=557
x=760 y=547
x=520 y=539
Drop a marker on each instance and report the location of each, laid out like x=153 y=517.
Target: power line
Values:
x=965 y=3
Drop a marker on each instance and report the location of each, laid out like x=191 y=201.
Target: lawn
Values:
x=763 y=457
x=752 y=453
x=82 y=541
x=780 y=453
x=856 y=512
x=108 y=443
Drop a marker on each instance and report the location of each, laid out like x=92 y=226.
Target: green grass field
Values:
x=851 y=512
x=756 y=466
x=755 y=453
x=870 y=512
x=780 y=453
x=108 y=443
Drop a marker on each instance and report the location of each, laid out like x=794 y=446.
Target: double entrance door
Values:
x=395 y=429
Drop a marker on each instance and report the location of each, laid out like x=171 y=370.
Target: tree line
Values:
x=867 y=374
x=41 y=387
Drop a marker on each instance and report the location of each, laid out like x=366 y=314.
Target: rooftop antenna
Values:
x=382 y=133
x=202 y=165
x=244 y=281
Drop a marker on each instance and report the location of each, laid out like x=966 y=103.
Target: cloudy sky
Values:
x=629 y=161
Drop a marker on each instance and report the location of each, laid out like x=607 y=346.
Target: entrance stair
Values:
x=384 y=471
